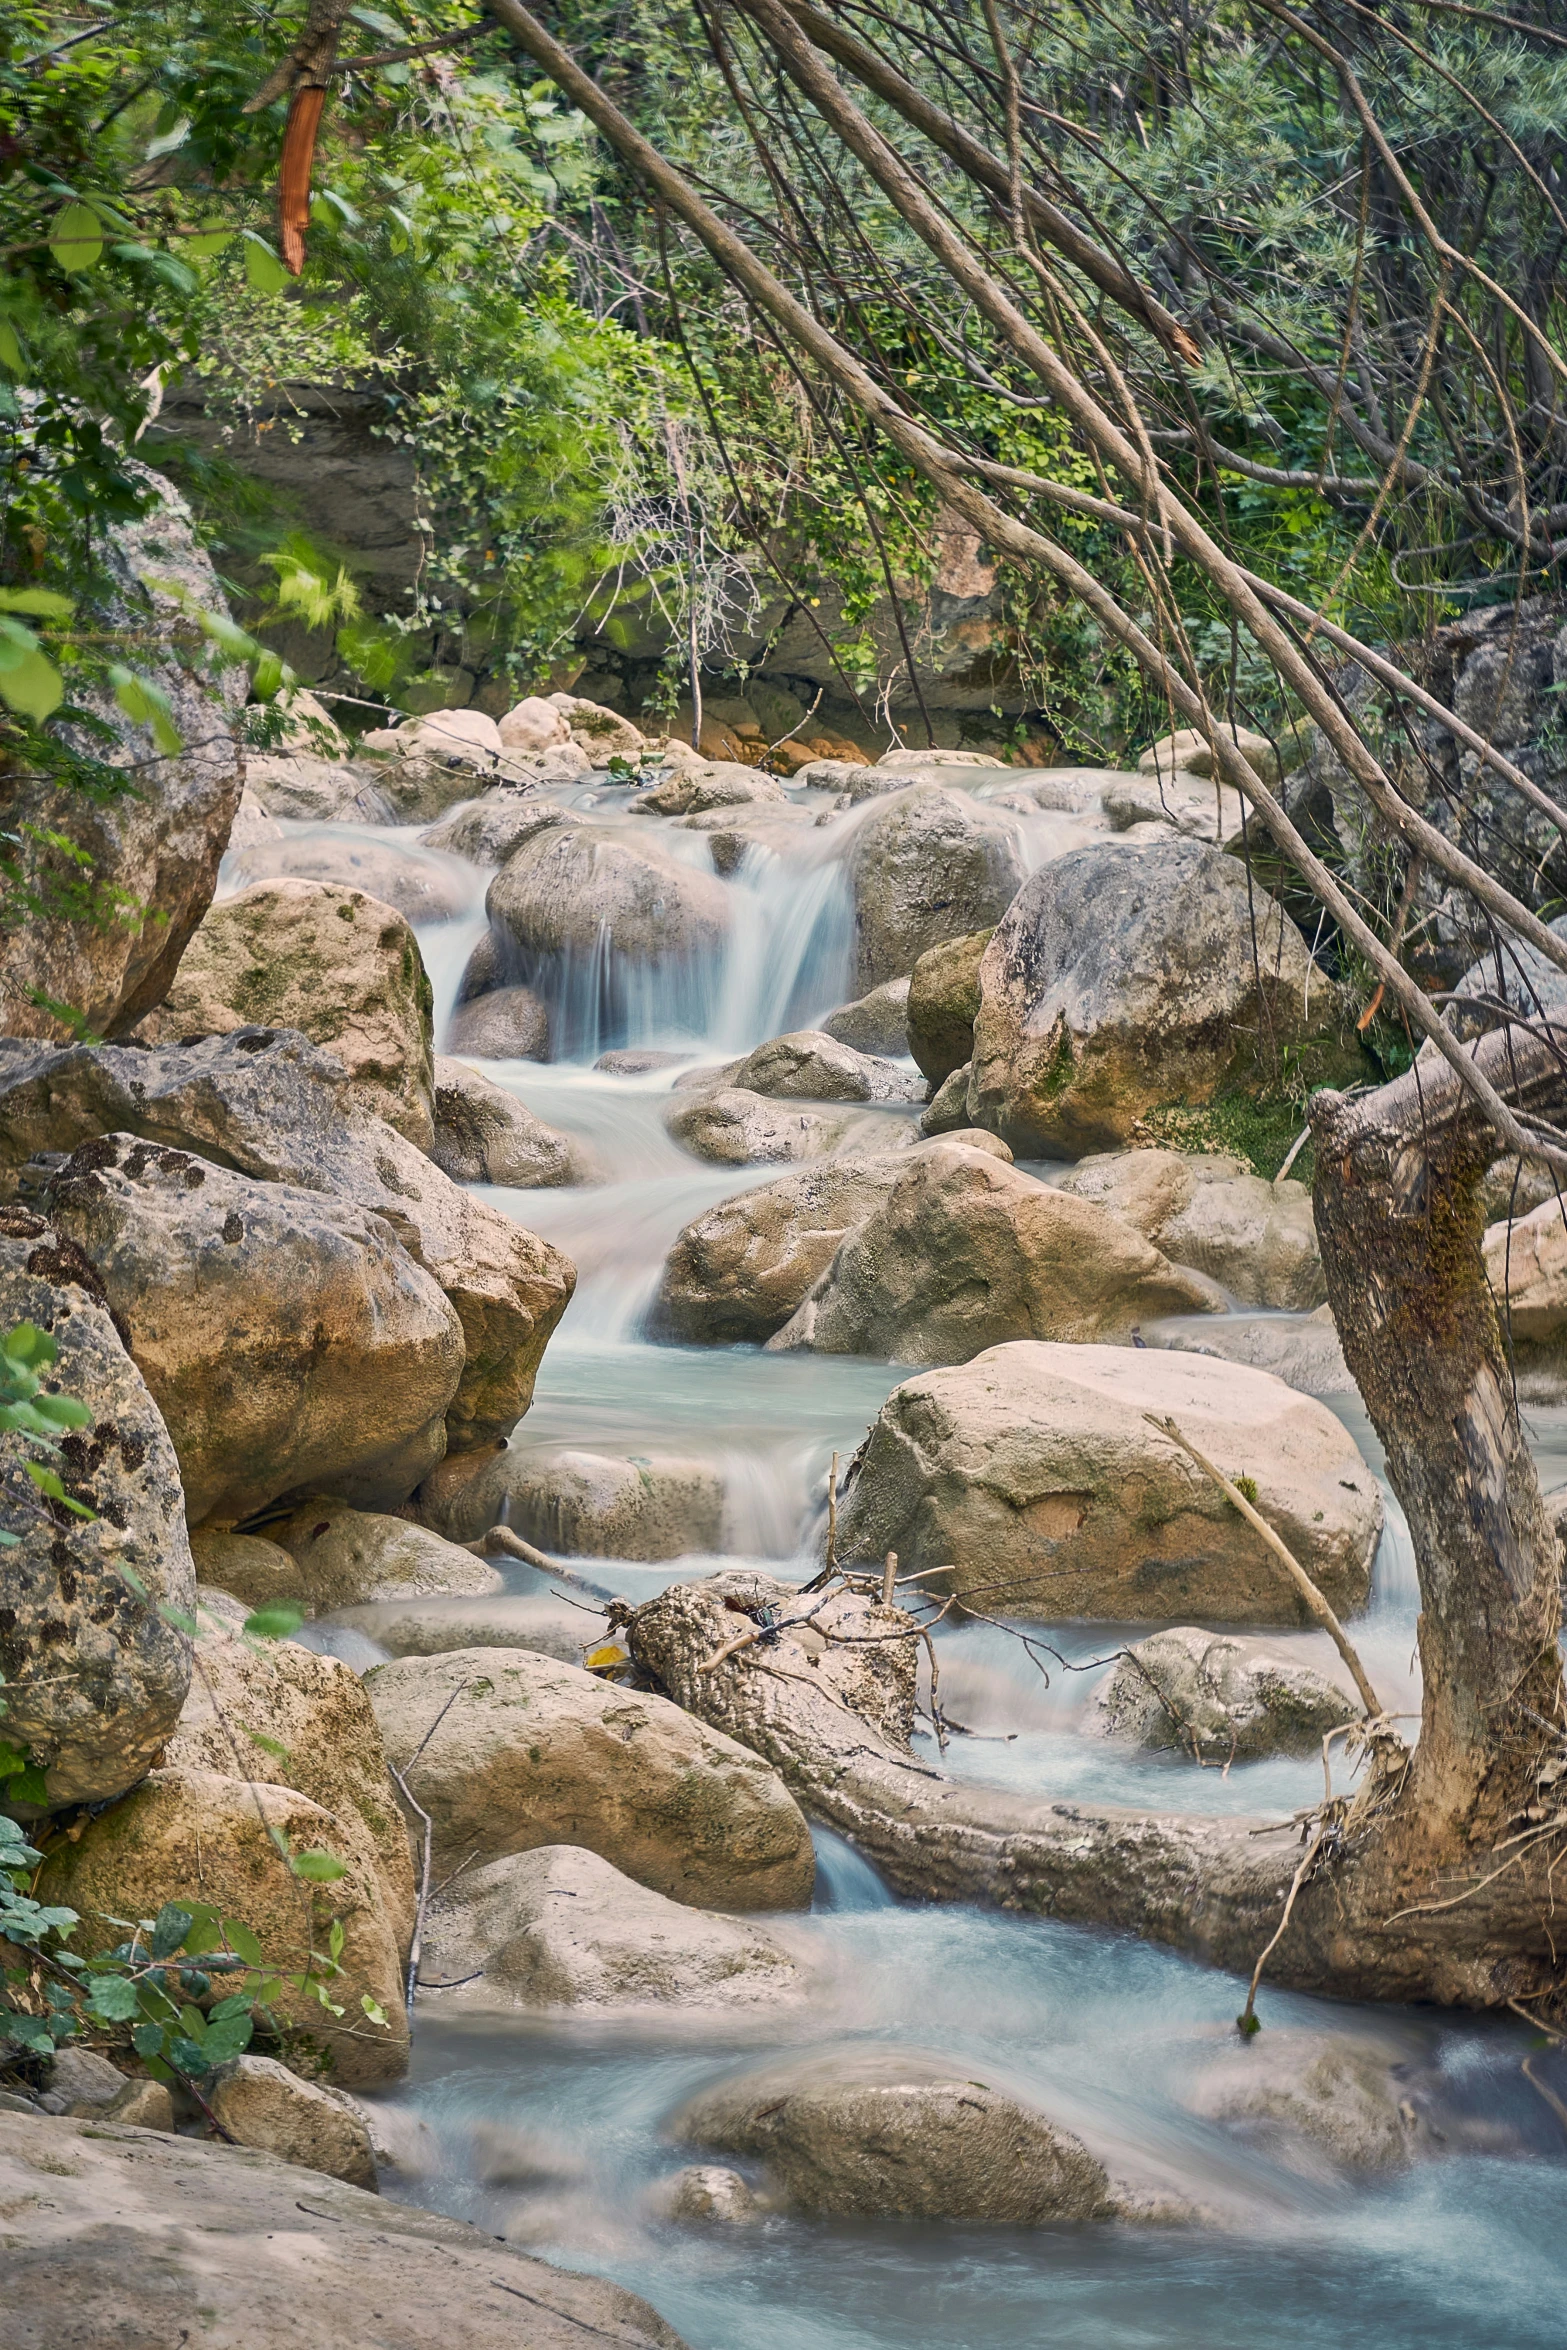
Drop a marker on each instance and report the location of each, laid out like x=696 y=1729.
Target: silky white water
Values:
x=1464 y=2251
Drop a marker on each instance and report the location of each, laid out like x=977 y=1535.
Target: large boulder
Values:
x=296 y=1720
x=415 y=883
x=710 y=783
x=738 y=1271
x=504 y=1024
x=884 y=2132
x=342 y=968
x=582 y=1504
x=559 y=1927
x=1317 y=2101
x=966 y=1252
x=260 y=2103
x=738 y=1128
x=266 y=1102
x=927 y=865
x=489 y=830
x=289 y=1341
x=158 y=845
x=483 y=1134
x=1217 y=1699
x=814 y=1067
x=944 y=1004
x=94 y=1676
x=1259 y=1239
x=874 y=1023
x=301 y=784
x=1122 y=979
x=1033 y=1475
x=529 y=1751
x=345 y=1557
x=136 y=2240
x=562 y=891
x=226 y=1839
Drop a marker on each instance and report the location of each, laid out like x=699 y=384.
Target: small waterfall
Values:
x=790 y=959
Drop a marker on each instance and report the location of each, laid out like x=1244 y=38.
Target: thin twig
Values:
x=1246 y=2021
x=1287 y=1559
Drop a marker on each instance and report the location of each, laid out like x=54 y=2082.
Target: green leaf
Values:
x=76 y=240
x=28 y=2031
x=170 y=1927
x=186 y=2054
x=61 y=1411
x=43 y=604
x=334 y=1940
x=47 y=1481
x=318 y=1867
x=148 y=705
x=112 y=1999
x=276 y=1621
x=194 y=2025
x=207 y=242
x=147 y=2039
x=227 y=2038
x=376 y=2014
x=29 y=1786
x=11 y=349
x=243 y=1943
x=262 y=266
x=273 y=1746
x=31 y=686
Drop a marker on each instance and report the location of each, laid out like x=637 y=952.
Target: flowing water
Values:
x=1466 y=2249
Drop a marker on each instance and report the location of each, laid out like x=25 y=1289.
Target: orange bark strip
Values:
x=293 y=188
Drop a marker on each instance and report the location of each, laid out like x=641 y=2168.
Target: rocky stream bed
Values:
x=938 y=2057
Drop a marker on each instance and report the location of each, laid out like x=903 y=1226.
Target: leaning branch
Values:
x=1297 y=1574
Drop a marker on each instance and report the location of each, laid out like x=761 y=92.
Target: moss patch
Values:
x=1259 y=1130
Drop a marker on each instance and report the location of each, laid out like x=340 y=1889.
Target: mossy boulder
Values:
x=341 y=967
x=1125 y=978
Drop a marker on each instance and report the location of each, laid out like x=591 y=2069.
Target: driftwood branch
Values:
x=1297 y=1574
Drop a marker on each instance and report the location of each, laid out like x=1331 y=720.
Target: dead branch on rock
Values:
x=1297 y=1574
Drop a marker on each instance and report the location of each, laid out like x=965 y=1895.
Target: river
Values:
x=1464 y=2249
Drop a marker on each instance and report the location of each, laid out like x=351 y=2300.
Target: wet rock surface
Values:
x=966 y=1252
x=287 y=1338
x=261 y=2104
x=344 y=1556
x=124 y=2226
x=1034 y=1472
x=559 y=1927
x=887 y=2134
x=1218 y=1699
x=483 y=1134
x=582 y=1504
x=532 y=1752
